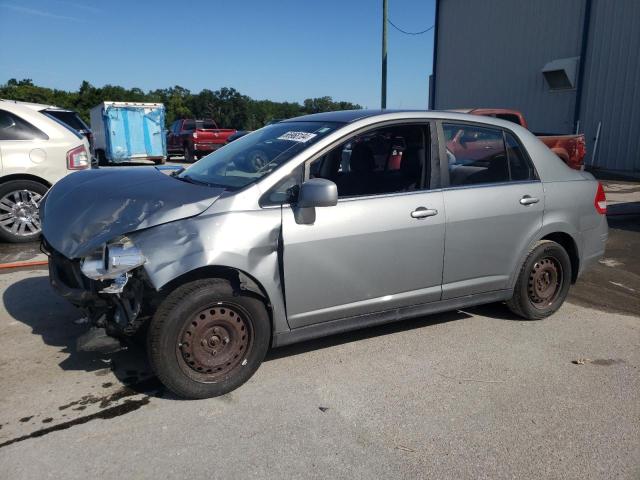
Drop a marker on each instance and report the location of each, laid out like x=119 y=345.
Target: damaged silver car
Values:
x=315 y=226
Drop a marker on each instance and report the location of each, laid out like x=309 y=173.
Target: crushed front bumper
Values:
x=121 y=314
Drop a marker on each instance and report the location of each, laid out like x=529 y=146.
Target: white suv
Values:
x=36 y=150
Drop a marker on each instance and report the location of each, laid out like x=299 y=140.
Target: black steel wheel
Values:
x=212 y=345
x=204 y=341
x=543 y=283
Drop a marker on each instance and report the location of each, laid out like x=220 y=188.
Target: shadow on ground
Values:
x=33 y=302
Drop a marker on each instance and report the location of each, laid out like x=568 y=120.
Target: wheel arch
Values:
x=239 y=280
x=570 y=245
x=24 y=176
x=560 y=233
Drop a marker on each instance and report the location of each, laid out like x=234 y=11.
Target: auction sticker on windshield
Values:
x=297 y=136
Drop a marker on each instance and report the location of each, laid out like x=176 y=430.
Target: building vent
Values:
x=561 y=73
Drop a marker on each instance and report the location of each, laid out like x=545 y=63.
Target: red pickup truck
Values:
x=570 y=148
x=195 y=138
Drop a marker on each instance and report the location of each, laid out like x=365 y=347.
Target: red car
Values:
x=570 y=148
x=195 y=138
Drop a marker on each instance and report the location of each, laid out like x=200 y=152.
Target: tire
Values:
x=102 y=158
x=161 y=161
x=543 y=282
x=204 y=342
x=188 y=154
x=19 y=215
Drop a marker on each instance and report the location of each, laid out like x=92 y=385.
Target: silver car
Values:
x=348 y=219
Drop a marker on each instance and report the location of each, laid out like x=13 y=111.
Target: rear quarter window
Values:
x=12 y=127
x=69 y=118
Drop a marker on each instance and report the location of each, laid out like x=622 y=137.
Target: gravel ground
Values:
x=473 y=394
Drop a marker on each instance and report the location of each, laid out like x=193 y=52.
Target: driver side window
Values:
x=380 y=161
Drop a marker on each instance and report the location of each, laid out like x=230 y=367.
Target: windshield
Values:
x=206 y=124
x=257 y=154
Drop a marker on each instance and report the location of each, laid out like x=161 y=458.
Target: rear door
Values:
x=494 y=206
x=153 y=132
x=380 y=247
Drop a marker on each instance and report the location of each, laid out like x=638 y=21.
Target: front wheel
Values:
x=543 y=283
x=19 y=210
x=203 y=341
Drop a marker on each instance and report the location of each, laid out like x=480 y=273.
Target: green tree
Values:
x=228 y=107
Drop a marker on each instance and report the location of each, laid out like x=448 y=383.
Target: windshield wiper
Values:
x=190 y=179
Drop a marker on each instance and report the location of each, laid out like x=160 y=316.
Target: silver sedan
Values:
x=318 y=225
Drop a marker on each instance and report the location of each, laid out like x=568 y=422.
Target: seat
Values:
x=496 y=172
x=407 y=177
x=360 y=179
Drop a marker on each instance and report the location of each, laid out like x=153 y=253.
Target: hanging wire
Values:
x=409 y=33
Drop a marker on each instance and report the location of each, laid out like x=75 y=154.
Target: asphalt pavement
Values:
x=477 y=393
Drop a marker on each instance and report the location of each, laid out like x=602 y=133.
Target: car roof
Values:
x=350 y=116
x=340 y=116
x=34 y=106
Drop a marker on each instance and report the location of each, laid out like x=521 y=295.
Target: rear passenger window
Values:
x=13 y=127
x=520 y=166
x=475 y=154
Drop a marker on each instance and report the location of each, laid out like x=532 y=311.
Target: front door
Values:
x=381 y=247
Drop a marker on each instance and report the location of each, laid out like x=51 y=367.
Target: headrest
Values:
x=362 y=159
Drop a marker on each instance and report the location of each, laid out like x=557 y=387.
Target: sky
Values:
x=281 y=50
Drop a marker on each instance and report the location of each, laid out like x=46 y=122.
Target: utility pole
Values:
x=383 y=93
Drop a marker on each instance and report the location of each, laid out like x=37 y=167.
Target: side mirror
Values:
x=317 y=192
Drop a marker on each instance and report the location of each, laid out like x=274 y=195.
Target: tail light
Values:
x=600 y=201
x=78 y=158
x=195 y=135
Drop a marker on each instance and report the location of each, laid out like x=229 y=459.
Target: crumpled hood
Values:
x=88 y=208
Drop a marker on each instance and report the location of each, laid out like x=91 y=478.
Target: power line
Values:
x=409 y=33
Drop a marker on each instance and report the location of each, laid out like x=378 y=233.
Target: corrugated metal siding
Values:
x=491 y=52
x=611 y=92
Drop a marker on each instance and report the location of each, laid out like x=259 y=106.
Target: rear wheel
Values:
x=19 y=214
x=102 y=158
x=188 y=154
x=543 y=283
x=161 y=161
x=203 y=341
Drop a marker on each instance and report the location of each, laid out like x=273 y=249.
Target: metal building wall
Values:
x=611 y=86
x=490 y=53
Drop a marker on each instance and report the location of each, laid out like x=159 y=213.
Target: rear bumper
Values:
x=206 y=147
x=594 y=244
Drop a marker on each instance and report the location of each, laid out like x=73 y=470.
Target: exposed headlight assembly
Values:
x=113 y=260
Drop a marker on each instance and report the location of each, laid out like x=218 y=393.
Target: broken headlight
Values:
x=114 y=259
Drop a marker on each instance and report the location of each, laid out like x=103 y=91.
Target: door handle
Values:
x=423 y=212
x=528 y=200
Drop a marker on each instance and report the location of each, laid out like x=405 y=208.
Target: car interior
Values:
x=385 y=160
x=478 y=156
